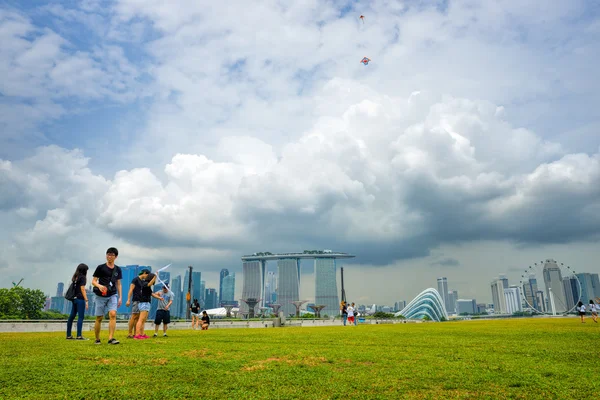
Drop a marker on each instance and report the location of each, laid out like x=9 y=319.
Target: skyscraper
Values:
x=513 y=300
x=270 y=288
x=554 y=286
x=498 y=297
x=288 y=272
x=224 y=272
x=452 y=297
x=587 y=287
x=228 y=285
x=442 y=284
x=326 y=292
x=252 y=281
x=210 y=298
x=177 y=307
x=60 y=288
x=571 y=291
x=197 y=292
x=530 y=289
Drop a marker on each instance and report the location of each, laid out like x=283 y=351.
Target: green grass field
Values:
x=521 y=358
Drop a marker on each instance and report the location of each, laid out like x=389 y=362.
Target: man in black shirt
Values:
x=107 y=288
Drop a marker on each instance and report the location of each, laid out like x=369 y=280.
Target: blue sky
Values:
x=196 y=131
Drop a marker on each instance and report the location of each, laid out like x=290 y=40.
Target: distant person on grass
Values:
x=344 y=311
x=162 y=313
x=205 y=321
x=195 y=312
x=80 y=303
x=594 y=311
x=107 y=288
x=355 y=314
x=351 y=314
x=146 y=280
x=581 y=310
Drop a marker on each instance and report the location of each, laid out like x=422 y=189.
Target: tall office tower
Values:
x=129 y=272
x=513 y=300
x=178 y=297
x=553 y=282
x=399 y=305
x=57 y=303
x=498 y=297
x=60 y=288
x=224 y=272
x=587 y=287
x=452 y=297
x=228 y=284
x=529 y=289
x=442 y=284
x=197 y=291
x=273 y=283
x=288 y=272
x=466 y=306
x=270 y=288
x=326 y=292
x=202 y=298
x=210 y=299
x=253 y=276
x=596 y=285
x=541 y=300
x=571 y=289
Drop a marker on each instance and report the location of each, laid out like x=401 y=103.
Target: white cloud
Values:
x=263 y=129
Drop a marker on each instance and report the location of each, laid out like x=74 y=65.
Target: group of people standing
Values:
x=592 y=307
x=109 y=295
x=349 y=313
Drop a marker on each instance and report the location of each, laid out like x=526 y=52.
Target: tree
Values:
x=21 y=303
x=9 y=304
x=384 y=315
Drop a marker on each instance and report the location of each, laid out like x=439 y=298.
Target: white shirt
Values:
x=351 y=311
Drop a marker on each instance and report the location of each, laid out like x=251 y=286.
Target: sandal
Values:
x=130 y=336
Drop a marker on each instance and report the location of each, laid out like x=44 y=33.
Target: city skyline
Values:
x=507 y=296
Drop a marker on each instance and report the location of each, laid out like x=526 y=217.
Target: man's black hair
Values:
x=113 y=250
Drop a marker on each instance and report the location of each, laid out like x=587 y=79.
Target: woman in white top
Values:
x=594 y=311
x=581 y=309
x=351 y=315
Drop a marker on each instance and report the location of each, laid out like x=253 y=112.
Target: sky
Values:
x=195 y=132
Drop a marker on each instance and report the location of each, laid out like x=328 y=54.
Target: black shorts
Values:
x=581 y=313
x=163 y=316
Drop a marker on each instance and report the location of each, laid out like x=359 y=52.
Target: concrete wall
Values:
x=88 y=326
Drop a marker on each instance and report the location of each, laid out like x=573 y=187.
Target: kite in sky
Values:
x=365 y=60
x=363 y=18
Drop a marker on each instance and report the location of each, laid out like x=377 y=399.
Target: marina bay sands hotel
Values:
x=288 y=271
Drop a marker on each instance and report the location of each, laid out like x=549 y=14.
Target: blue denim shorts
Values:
x=143 y=306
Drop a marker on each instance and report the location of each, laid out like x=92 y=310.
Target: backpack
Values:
x=70 y=294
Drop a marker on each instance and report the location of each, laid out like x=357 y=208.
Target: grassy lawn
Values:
x=524 y=358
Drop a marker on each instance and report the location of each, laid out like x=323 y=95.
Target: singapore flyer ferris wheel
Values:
x=550 y=287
